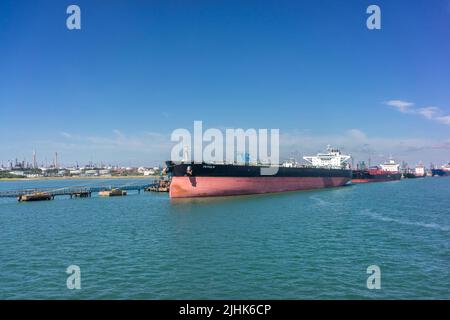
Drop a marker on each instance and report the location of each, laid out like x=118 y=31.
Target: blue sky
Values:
x=114 y=90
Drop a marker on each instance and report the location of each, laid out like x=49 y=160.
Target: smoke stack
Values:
x=34 y=159
x=56 y=160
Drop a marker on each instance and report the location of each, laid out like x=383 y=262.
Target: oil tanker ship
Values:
x=389 y=171
x=190 y=180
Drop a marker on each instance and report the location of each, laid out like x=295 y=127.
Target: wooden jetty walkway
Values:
x=77 y=191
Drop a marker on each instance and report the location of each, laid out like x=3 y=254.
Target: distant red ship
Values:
x=389 y=171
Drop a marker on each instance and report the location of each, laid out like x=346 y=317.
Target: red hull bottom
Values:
x=372 y=180
x=190 y=187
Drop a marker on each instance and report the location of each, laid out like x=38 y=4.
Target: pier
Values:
x=77 y=191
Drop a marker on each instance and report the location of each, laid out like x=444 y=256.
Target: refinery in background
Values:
x=26 y=169
x=31 y=169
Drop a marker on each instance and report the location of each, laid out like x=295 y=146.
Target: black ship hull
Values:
x=363 y=176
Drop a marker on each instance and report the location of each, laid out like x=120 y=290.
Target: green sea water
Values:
x=296 y=245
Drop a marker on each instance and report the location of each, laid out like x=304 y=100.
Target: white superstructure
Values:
x=390 y=166
x=291 y=163
x=332 y=159
x=419 y=170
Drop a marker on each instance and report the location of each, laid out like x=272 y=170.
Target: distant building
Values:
x=33 y=175
x=91 y=172
x=141 y=170
x=149 y=172
x=104 y=172
x=75 y=172
x=17 y=173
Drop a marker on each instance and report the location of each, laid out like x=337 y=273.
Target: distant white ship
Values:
x=419 y=170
